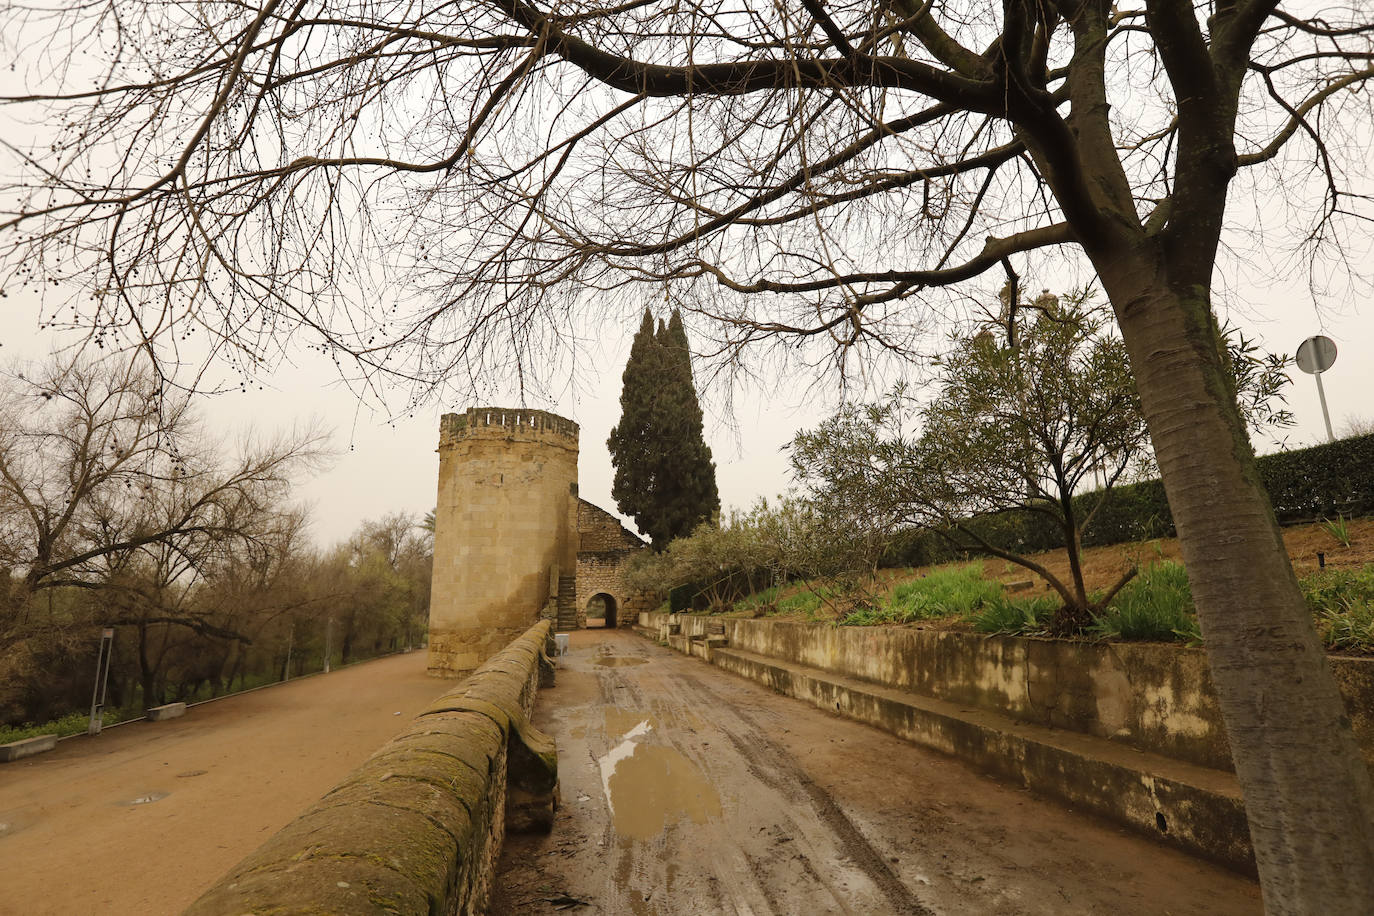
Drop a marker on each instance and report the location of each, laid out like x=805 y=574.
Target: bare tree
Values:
x=108 y=483
x=797 y=170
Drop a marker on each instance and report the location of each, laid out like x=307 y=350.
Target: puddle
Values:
x=619 y=722
x=620 y=661
x=650 y=787
x=147 y=798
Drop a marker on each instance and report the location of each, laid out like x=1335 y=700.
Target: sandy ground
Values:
x=687 y=790
x=224 y=778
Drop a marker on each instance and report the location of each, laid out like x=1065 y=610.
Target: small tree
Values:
x=1022 y=424
x=664 y=475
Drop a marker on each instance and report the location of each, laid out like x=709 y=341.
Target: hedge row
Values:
x=1304 y=485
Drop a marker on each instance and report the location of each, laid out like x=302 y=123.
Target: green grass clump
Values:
x=1014 y=616
x=806 y=601
x=1339 y=530
x=1156 y=605
x=764 y=600
x=943 y=593
x=74 y=724
x=71 y=724
x=1342 y=600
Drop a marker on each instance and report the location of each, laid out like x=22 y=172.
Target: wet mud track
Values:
x=687 y=790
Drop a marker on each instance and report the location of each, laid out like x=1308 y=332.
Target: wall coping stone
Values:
x=418 y=827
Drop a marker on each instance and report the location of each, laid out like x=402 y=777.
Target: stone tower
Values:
x=505 y=529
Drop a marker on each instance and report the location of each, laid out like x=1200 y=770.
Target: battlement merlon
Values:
x=506 y=423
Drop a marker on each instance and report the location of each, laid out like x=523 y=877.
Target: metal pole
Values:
x=102 y=679
x=290 y=637
x=1321 y=393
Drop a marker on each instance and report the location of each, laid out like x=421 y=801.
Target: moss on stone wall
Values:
x=417 y=828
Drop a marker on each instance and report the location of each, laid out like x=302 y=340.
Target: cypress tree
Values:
x=631 y=442
x=688 y=479
x=664 y=475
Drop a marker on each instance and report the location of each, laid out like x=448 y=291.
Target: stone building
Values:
x=604 y=547
x=512 y=539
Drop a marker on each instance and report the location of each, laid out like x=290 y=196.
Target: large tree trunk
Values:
x=1307 y=790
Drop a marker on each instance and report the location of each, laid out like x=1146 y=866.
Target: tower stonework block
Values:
x=504 y=529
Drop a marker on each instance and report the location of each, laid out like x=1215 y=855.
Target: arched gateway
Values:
x=601 y=611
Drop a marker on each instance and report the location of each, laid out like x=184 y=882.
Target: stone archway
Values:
x=601 y=610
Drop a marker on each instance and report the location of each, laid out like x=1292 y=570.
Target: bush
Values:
x=1321 y=481
x=1156 y=605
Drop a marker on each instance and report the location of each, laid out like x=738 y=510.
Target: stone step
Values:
x=567 y=603
x=1194 y=808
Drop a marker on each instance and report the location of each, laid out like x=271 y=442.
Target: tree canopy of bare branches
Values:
x=107 y=479
x=431 y=189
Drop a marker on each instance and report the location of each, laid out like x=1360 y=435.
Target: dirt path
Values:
x=687 y=790
x=233 y=772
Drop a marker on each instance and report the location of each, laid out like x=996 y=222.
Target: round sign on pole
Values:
x=1316 y=354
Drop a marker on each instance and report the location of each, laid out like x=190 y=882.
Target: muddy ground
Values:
x=145 y=817
x=687 y=790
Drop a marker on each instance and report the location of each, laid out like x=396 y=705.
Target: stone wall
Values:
x=604 y=547
x=419 y=826
x=506 y=495
x=1157 y=698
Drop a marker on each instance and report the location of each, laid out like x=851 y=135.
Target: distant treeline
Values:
x=247 y=627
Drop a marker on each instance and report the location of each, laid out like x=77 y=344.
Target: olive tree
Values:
x=1034 y=420
x=796 y=171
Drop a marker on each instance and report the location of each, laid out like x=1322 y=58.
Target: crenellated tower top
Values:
x=507 y=423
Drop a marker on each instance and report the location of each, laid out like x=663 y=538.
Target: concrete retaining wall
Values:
x=1156 y=698
x=418 y=827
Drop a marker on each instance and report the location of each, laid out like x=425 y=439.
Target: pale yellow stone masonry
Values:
x=505 y=526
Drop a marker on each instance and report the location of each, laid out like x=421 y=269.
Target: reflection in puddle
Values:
x=620 y=661
x=619 y=722
x=650 y=787
x=618 y=753
x=147 y=798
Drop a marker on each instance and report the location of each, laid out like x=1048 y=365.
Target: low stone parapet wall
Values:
x=27 y=747
x=418 y=827
x=1154 y=697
